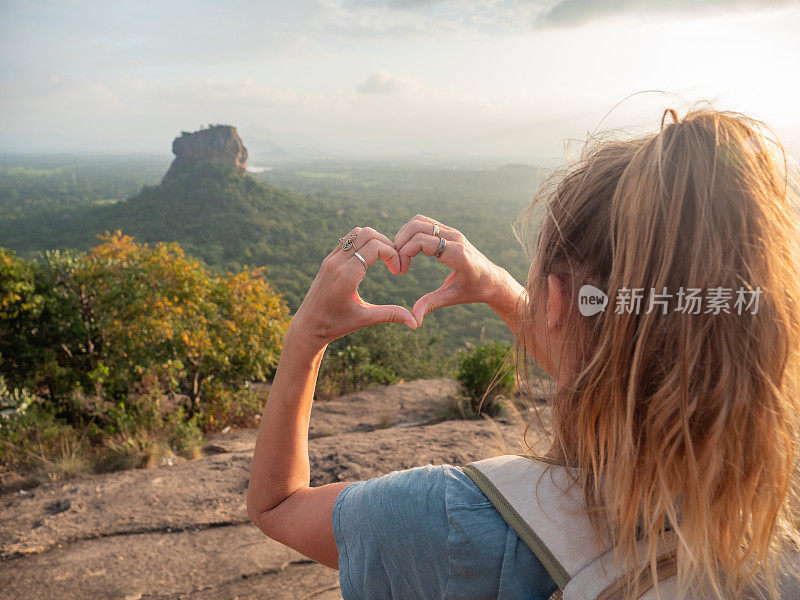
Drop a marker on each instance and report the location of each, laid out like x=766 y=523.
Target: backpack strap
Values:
x=548 y=512
x=666 y=569
x=604 y=579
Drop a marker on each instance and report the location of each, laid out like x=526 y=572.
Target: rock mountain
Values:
x=217 y=144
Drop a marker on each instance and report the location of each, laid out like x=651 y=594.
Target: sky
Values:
x=519 y=81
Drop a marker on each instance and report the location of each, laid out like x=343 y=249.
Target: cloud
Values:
x=383 y=82
x=395 y=4
x=120 y=35
x=398 y=19
x=390 y=75
x=568 y=13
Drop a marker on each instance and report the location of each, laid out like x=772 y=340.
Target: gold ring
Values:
x=436 y=230
x=361 y=258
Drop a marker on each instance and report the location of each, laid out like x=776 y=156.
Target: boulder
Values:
x=216 y=144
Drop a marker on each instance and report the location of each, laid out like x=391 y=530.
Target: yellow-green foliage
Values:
x=129 y=351
x=163 y=317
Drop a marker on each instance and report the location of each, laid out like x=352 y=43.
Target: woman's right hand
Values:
x=474 y=278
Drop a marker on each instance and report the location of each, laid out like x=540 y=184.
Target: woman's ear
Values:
x=556 y=303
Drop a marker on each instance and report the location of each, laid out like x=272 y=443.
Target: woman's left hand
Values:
x=332 y=307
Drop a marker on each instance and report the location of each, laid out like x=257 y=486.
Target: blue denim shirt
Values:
x=430 y=533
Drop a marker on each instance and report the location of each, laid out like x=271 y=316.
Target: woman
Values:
x=675 y=417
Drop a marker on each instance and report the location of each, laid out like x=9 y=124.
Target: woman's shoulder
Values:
x=440 y=486
x=431 y=493
x=430 y=526
x=408 y=504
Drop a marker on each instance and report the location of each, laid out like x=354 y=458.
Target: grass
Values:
x=141 y=450
x=37 y=446
x=41 y=459
x=463 y=406
x=65 y=466
x=384 y=422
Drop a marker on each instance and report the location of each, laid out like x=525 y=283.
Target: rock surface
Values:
x=182 y=531
x=217 y=144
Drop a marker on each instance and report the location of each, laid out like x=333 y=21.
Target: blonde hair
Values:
x=682 y=421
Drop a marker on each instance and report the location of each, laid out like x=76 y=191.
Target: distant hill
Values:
x=216 y=214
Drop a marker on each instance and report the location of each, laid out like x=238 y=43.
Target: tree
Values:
x=165 y=319
x=46 y=335
x=128 y=317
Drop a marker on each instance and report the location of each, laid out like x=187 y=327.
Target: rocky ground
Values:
x=182 y=531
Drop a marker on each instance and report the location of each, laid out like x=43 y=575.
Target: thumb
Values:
x=430 y=302
x=388 y=313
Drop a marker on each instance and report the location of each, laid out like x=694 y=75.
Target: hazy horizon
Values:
x=425 y=79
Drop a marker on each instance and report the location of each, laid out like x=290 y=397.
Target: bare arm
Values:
x=508 y=299
x=280 y=499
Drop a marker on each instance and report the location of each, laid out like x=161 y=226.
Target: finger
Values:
x=419 y=242
x=415 y=227
x=338 y=249
x=366 y=236
x=363 y=236
x=431 y=301
x=404 y=233
x=368 y=233
x=423 y=224
x=387 y=313
x=374 y=250
x=429 y=245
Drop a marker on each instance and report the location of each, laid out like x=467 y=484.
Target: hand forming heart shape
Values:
x=333 y=308
x=474 y=277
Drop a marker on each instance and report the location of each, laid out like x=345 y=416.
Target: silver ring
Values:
x=361 y=258
x=436 y=230
x=347 y=243
x=442 y=244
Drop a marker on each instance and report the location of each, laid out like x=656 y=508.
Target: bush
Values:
x=127 y=313
x=163 y=316
x=351 y=369
x=185 y=437
x=13 y=402
x=226 y=407
x=132 y=449
x=381 y=355
x=35 y=443
x=103 y=339
x=485 y=375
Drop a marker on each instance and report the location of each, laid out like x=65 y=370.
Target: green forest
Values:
x=31 y=186
x=285 y=220
x=136 y=312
